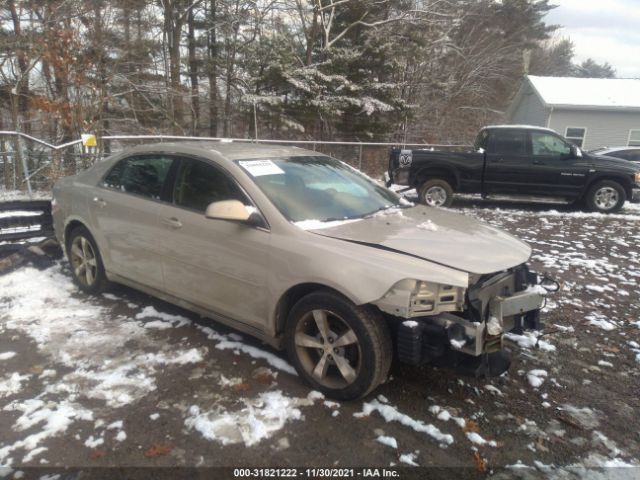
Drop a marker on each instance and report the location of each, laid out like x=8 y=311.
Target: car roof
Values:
x=228 y=150
x=518 y=127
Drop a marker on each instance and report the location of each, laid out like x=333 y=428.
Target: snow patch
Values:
x=529 y=340
x=388 y=441
x=479 y=440
x=12 y=384
x=428 y=225
x=259 y=419
x=536 y=377
x=53 y=418
x=320 y=224
x=409 y=459
x=391 y=414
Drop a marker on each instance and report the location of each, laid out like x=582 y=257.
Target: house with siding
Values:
x=590 y=112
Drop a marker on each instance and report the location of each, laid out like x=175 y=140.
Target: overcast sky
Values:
x=607 y=31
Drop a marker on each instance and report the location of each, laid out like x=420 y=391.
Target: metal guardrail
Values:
x=363 y=155
x=20 y=220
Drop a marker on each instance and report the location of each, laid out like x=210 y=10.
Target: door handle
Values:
x=538 y=162
x=100 y=202
x=497 y=160
x=172 y=222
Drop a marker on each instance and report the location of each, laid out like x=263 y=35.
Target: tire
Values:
x=605 y=196
x=436 y=193
x=86 y=264
x=367 y=355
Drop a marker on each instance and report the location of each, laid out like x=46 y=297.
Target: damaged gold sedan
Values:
x=303 y=252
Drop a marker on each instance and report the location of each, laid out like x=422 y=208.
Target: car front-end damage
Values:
x=463 y=328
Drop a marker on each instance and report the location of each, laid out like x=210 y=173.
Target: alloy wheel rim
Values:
x=328 y=349
x=435 y=196
x=83 y=261
x=606 y=198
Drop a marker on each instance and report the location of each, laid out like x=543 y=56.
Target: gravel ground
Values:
x=127 y=380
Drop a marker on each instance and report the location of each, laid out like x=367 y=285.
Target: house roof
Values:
x=588 y=93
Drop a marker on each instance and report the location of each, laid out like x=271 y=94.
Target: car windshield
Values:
x=318 y=188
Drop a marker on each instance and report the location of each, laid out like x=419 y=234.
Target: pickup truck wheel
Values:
x=436 y=193
x=338 y=348
x=606 y=196
x=85 y=260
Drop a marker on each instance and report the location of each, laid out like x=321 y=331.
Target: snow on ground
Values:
x=80 y=335
x=536 y=377
x=257 y=420
x=392 y=414
x=388 y=441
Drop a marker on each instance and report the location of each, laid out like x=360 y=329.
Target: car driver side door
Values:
x=555 y=168
x=218 y=265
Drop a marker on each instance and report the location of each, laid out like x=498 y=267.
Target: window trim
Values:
x=584 y=136
x=179 y=158
x=631 y=130
x=167 y=180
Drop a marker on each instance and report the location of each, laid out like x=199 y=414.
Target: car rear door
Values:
x=508 y=163
x=125 y=211
x=219 y=265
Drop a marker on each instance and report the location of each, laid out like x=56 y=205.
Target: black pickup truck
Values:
x=519 y=161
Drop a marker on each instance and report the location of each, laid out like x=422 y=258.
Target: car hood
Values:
x=621 y=164
x=435 y=235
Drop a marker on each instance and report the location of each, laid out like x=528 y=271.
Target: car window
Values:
x=549 y=145
x=509 y=142
x=142 y=175
x=200 y=184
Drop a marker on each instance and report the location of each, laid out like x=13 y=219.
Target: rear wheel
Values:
x=436 y=193
x=606 y=196
x=86 y=263
x=338 y=348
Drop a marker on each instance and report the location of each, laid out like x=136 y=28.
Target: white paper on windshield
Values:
x=258 y=168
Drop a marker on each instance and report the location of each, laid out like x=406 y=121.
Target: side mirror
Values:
x=576 y=152
x=233 y=210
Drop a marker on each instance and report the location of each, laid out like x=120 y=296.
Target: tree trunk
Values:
x=212 y=70
x=231 y=64
x=193 y=75
x=173 y=21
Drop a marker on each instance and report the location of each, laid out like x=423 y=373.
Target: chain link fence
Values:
x=33 y=165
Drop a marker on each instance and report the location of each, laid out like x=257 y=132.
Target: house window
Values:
x=576 y=135
x=634 y=138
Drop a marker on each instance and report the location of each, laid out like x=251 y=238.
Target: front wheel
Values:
x=86 y=263
x=338 y=348
x=436 y=193
x=606 y=196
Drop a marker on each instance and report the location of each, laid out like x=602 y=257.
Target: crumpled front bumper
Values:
x=423 y=339
x=518 y=311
